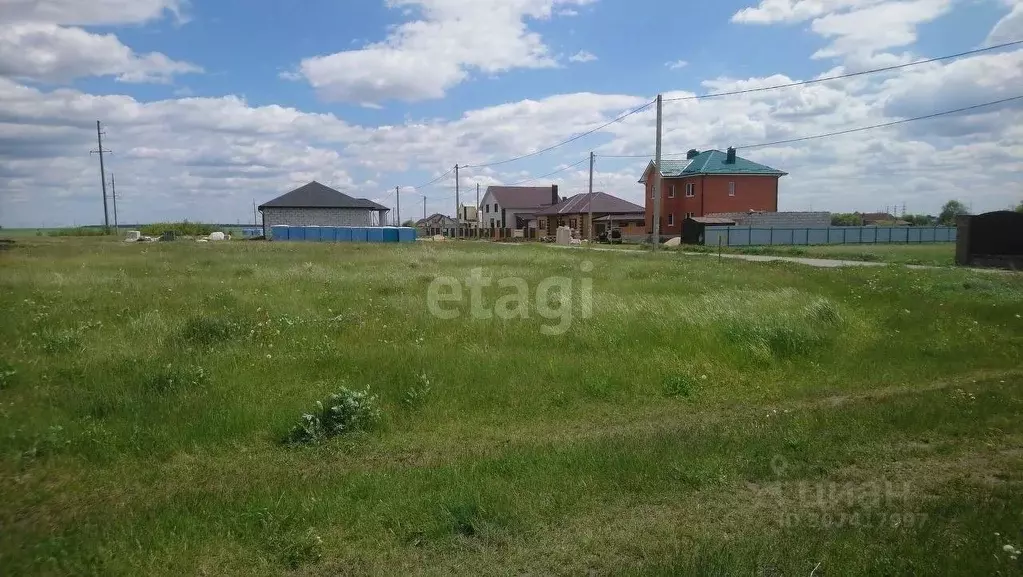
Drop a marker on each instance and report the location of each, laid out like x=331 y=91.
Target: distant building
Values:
x=515 y=206
x=436 y=220
x=317 y=205
x=709 y=182
x=608 y=212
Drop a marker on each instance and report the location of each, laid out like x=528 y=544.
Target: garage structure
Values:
x=316 y=204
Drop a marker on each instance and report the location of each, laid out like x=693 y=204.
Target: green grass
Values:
x=708 y=418
x=933 y=254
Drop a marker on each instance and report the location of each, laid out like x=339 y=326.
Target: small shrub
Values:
x=172 y=378
x=779 y=341
x=680 y=386
x=346 y=411
x=417 y=396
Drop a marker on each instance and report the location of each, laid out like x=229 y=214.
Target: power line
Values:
x=883 y=125
x=570 y=140
x=560 y=170
x=838 y=132
x=434 y=181
x=841 y=76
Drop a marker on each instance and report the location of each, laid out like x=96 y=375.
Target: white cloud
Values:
x=423 y=58
x=88 y=13
x=677 y=64
x=51 y=53
x=856 y=29
x=771 y=11
x=884 y=25
x=582 y=56
x=1010 y=27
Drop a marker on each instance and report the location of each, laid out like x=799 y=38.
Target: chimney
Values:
x=692 y=154
x=554 y=194
x=730 y=159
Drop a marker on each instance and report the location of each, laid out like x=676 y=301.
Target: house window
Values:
x=671 y=219
x=690 y=214
x=731 y=189
x=488 y=208
x=491 y=223
x=495 y=207
x=690 y=189
x=651 y=191
x=671 y=193
x=541 y=223
x=572 y=223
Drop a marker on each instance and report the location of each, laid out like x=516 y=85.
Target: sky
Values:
x=211 y=106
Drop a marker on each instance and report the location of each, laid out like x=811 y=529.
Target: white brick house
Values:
x=317 y=205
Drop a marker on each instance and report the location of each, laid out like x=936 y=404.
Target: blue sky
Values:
x=211 y=105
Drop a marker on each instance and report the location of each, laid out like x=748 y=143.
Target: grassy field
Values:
x=707 y=418
x=933 y=254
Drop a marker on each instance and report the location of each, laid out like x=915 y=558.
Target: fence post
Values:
x=719 y=249
x=844 y=230
x=772 y=236
x=728 y=235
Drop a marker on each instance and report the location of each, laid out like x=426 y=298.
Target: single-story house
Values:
x=607 y=209
x=436 y=220
x=515 y=206
x=318 y=205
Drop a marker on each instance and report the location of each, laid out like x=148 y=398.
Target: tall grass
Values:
x=145 y=391
x=183 y=228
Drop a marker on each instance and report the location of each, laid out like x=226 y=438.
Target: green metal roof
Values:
x=712 y=162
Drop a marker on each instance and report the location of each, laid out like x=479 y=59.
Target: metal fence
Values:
x=749 y=236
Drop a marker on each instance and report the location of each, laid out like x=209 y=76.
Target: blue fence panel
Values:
x=343 y=234
x=406 y=234
x=296 y=233
x=359 y=234
x=390 y=234
x=375 y=234
x=279 y=232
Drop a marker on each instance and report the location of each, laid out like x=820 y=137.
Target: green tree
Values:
x=409 y=223
x=950 y=210
x=1019 y=207
x=846 y=219
x=920 y=219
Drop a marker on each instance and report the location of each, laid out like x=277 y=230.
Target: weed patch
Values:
x=344 y=412
x=7 y=375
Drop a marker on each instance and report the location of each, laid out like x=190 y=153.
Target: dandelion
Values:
x=268 y=356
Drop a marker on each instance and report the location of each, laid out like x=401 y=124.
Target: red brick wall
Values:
x=711 y=195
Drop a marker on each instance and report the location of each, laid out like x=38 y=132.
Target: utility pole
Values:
x=102 y=176
x=477 y=205
x=397 y=204
x=255 y=219
x=458 y=208
x=113 y=195
x=657 y=181
x=589 y=235
x=424 y=207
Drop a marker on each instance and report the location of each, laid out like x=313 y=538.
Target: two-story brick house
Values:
x=709 y=182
